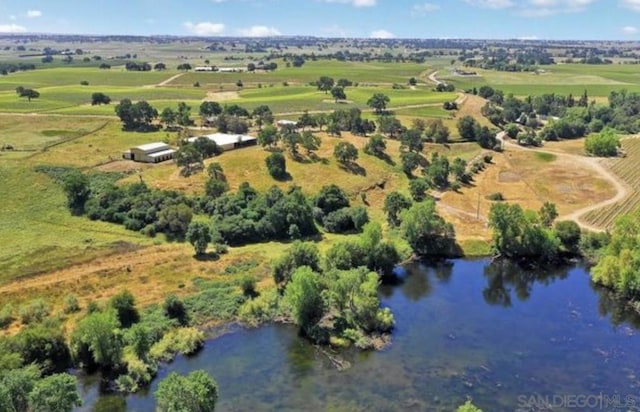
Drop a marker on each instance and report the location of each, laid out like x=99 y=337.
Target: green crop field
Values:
x=598 y=80
x=377 y=73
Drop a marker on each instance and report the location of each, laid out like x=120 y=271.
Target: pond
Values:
x=507 y=338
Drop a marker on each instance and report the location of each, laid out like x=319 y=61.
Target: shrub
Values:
x=6 y=315
x=496 y=197
x=71 y=304
x=174 y=309
x=183 y=341
x=35 y=311
x=248 y=285
x=260 y=309
x=125 y=306
x=84 y=83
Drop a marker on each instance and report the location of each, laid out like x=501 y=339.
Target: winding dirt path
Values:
x=623 y=190
x=434 y=79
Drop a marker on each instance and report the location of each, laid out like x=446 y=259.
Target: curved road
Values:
x=622 y=189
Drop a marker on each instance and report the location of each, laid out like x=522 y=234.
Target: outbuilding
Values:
x=228 y=141
x=150 y=153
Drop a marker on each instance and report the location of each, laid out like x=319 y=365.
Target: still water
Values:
x=507 y=338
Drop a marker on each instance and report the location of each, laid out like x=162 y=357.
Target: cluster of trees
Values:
x=532 y=236
x=471 y=130
x=292 y=140
x=619 y=265
x=190 y=156
x=504 y=59
x=6 y=68
x=99 y=98
x=428 y=234
x=136 y=116
x=137 y=67
x=332 y=210
x=337 y=300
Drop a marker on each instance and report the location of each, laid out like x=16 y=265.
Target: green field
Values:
x=598 y=80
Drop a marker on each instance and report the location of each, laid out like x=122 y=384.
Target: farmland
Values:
x=53 y=251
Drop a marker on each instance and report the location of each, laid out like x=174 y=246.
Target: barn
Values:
x=229 y=141
x=150 y=153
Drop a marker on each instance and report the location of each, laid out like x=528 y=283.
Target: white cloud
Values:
x=381 y=34
x=205 y=28
x=32 y=14
x=424 y=9
x=629 y=30
x=491 y=4
x=259 y=31
x=355 y=3
x=543 y=8
x=12 y=28
x=631 y=4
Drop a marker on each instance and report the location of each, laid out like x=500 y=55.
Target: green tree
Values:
x=298 y=255
x=394 y=204
x=291 y=140
x=331 y=198
x=325 y=83
x=125 y=306
x=411 y=140
x=199 y=235
x=378 y=102
x=15 y=387
x=467 y=128
x=55 y=393
x=410 y=160
x=43 y=345
x=215 y=171
x=376 y=146
x=345 y=152
x=215 y=188
x=168 y=117
x=97 y=340
x=303 y=296
x=569 y=234
x=174 y=220
x=197 y=392
x=548 y=214
x=338 y=93
x=76 y=187
x=183 y=115
x=263 y=116
x=438 y=171
x=310 y=142
x=427 y=233
x=418 y=189
x=268 y=136
x=29 y=94
x=436 y=131
x=209 y=109
x=189 y=158
x=174 y=308
x=604 y=144
x=277 y=165
x=98 y=98
x=389 y=125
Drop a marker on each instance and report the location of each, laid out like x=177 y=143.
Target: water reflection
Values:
x=504 y=276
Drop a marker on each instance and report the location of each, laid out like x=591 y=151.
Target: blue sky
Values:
x=495 y=19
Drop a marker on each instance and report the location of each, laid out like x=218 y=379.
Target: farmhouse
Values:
x=150 y=153
x=228 y=141
x=203 y=69
x=231 y=69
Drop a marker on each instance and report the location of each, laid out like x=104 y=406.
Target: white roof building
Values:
x=228 y=141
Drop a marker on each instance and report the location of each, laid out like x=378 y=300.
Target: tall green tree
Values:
x=338 y=93
x=325 y=83
x=76 y=187
x=345 y=152
x=199 y=235
x=378 y=102
x=97 y=340
x=124 y=303
x=426 y=231
x=303 y=295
